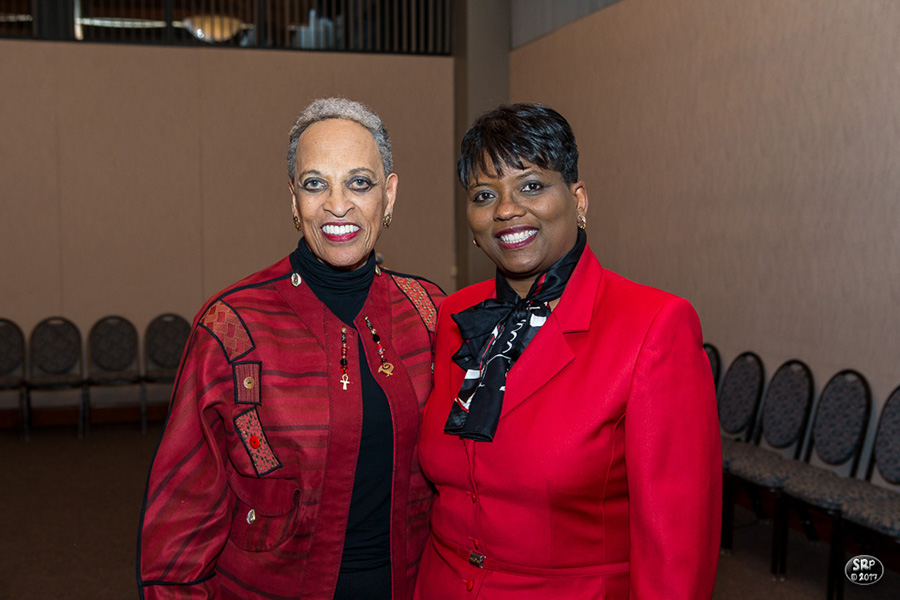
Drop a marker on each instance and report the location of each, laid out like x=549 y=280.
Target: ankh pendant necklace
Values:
x=386 y=367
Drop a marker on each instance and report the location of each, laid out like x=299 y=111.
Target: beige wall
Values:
x=745 y=155
x=139 y=180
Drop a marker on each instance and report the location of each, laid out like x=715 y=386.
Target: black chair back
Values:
x=786 y=408
x=886 y=450
x=164 y=343
x=739 y=395
x=842 y=417
x=715 y=362
x=55 y=347
x=12 y=355
x=113 y=348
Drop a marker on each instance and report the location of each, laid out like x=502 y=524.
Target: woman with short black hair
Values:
x=572 y=433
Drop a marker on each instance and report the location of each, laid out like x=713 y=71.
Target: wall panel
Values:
x=139 y=180
x=744 y=155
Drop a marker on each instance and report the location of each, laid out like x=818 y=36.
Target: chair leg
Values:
x=25 y=411
x=84 y=412
x=756 y=501
x=835 y=558
x=806 y=521
x=779 y=534
x=143 y=408
x=727 y=534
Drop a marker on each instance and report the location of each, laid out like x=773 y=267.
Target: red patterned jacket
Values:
x=250 y=488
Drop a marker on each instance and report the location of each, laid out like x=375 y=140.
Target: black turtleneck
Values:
x=367 y=552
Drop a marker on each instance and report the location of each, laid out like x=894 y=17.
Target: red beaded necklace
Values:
x=386 y=367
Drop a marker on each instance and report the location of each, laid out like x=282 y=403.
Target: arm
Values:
x=188 y=504
x=673 y=461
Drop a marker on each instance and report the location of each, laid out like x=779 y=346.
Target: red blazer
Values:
x=250 y=489
x=604 y=477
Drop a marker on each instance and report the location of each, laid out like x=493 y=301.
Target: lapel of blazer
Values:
x=549 y=352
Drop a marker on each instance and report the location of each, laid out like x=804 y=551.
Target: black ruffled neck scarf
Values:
x=495 y=332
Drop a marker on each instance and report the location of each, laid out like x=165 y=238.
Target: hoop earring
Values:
x=297 y=223
x=474 y=241
x=386 y=220
x=582 y=222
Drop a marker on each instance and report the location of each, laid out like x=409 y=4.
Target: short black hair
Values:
x=513 y=134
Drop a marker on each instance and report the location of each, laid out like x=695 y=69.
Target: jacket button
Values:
x=469 y=585
x=251 y=517
x=474 y=497
x=254 y=442
x=248 y=383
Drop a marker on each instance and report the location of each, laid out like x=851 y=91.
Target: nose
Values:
x=507 y=207
x=338 y=201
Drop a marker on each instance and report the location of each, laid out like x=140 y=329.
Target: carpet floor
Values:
x=69 y=512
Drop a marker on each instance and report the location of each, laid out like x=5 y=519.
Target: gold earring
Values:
x=582 y=222
x=386 y=220
x=474 y=241
x=296 y=222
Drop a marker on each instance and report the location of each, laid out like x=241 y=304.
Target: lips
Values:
x=516 y=237
x=340 y=232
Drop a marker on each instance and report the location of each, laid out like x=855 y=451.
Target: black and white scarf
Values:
x=495 y=332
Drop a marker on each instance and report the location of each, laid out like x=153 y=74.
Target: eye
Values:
x=360 y=184
x=532 y=186
x=313 y=184
x=482 y=196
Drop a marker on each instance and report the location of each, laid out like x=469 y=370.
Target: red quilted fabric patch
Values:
x=251 y=432
x=227 y=327
x=420 y=299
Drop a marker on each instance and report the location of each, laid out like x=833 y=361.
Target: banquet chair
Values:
x=782 y=429
x=836 y=441
x=56 y=362
x=869 y=508
x=164 y=342
x=112 y=357
x=12 y=367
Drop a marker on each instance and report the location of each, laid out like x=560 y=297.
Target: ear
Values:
x=294 y=207
x=390 y=191
x=581 y=197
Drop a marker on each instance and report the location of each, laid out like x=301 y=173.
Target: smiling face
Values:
x=340 y=192
x=524 y=219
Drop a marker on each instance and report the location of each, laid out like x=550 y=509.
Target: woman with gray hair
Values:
x=287 y=466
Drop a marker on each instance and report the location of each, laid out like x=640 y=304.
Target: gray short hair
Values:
x=341 y=108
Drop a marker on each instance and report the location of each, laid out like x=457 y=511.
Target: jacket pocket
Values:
x=265 y=512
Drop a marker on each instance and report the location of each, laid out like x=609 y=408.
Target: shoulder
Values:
x=424 y=295
x=645 y=306
x=405 y=281
x=221 y=313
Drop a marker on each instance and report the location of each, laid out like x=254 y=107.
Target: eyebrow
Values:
x=355 y=171
x=529 y=172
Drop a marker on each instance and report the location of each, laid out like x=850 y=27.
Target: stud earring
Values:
x=582 y=222
x=386 y=220
x=474 y=241
x=296 y=223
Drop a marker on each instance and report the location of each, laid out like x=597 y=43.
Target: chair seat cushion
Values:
x=732 y=448
x=827 y=490
x=762 y=467
x=115 y=378
x=876 y=511
x=54 y=381
x=160 y=375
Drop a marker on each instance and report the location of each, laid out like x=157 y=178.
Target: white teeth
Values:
x=519 y=236
x=339 y=229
